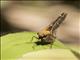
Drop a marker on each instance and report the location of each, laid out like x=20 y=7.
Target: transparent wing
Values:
x=58 y=22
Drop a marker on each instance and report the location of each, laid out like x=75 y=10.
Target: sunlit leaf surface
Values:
x=15 y=45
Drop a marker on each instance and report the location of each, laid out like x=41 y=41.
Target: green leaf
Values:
x=16 y=44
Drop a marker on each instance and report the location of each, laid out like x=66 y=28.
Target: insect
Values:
x=47 y=36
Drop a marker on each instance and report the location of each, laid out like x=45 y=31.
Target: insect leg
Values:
x=50 y=46
x=54 y=34
x=34 y=43
x=34 y=37
x=34 y=46
x=53 y=37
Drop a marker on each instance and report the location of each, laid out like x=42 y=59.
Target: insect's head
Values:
x=40 y=34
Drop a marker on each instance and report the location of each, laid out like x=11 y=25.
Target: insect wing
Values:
x=58 y=21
